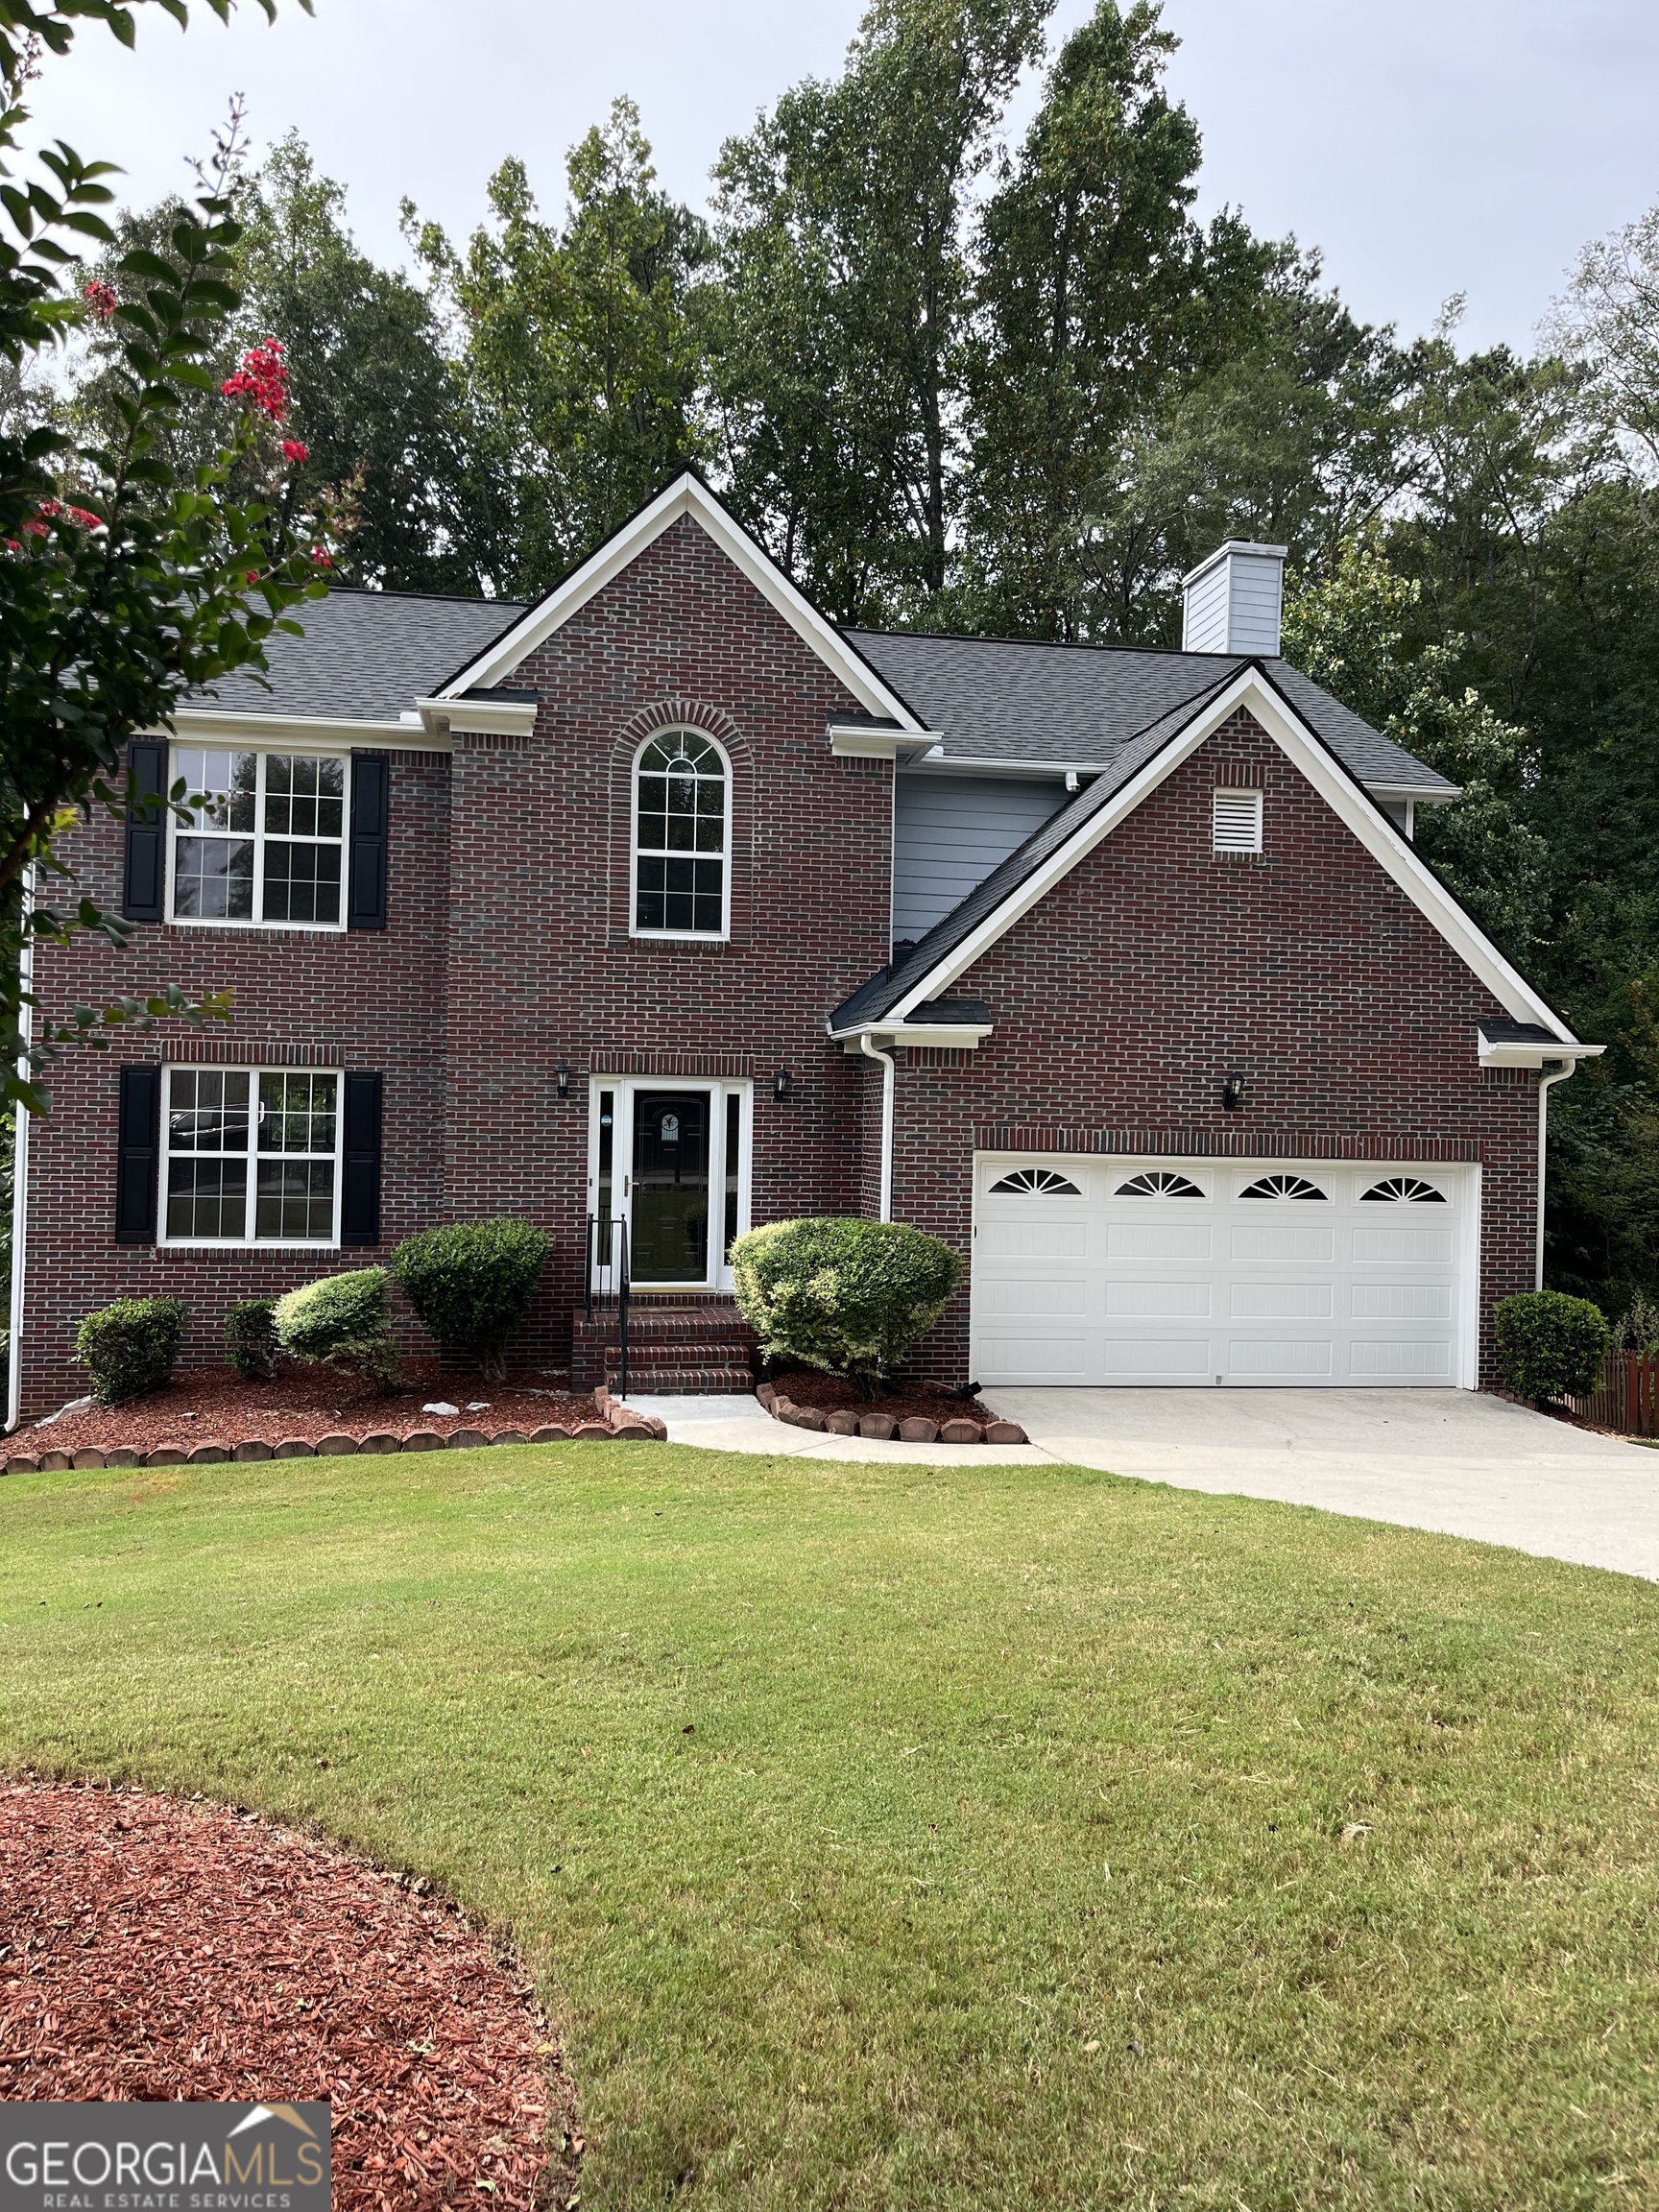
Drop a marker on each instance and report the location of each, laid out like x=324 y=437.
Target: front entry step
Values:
x=674 y=1350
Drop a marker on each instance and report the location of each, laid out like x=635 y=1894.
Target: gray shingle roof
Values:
x=366 y=655
x=1008 y=699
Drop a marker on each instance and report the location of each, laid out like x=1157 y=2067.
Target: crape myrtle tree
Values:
x=126 y=582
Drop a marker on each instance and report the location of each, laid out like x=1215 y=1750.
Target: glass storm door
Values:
x=672 y=1161
x=669 y=1205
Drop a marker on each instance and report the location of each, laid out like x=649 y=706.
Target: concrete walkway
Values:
x=1448 y=1460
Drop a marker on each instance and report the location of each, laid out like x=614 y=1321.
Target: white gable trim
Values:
x=1393 y=852
x=685 y=495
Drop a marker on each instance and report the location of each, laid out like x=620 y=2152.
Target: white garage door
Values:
x=1271 y=1273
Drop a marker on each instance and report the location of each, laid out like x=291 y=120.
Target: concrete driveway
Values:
x=1449 y=1460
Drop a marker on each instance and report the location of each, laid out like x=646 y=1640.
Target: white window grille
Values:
x=681 y=817
x=251 y=1156
x=1236 y=820
x=266 y=838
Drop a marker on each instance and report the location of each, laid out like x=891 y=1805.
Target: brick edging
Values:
x=883 y=1428
x=616 y=1422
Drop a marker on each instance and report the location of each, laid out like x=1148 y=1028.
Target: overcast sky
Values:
x=1426 y=146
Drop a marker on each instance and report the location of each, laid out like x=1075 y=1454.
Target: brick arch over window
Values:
x=648 y=722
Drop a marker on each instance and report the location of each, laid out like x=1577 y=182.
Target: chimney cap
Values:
x=1235 y=545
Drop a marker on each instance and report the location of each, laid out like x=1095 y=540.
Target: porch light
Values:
x=782 y=1083
x=1232 y=1090
x=562 y=1079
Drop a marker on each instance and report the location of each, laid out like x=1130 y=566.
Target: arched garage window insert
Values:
x=1159 y=1183
x=1282 y=1186
x=682 y=810
x=1406 y=1190
x=1037 y=1183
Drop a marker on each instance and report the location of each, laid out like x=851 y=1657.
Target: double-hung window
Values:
x=251 y=1156
x=265 y=841
x=681 y=791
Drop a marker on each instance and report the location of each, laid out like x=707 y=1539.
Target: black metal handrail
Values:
x=608 y=1285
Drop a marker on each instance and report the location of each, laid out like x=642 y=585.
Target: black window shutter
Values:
x=366 y=898
x=144 y=892
x=360 y=1197
x=138 y=1157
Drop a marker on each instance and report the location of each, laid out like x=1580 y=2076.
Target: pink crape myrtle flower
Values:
x=262 y=379
x=102 y=301
x=293 y=450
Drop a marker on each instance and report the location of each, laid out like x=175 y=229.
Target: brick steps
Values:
x=699 y=1349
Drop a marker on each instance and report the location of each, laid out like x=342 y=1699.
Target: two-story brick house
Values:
x=666 y=902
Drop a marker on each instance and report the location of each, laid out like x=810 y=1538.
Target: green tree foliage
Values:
x=582 y=354
x=124 y=582
x=842 y=226
x=1349 y=631
x=1098 y=300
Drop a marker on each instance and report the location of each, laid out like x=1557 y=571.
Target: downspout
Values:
x=873 y=1051
x=1544 y=1087
x=20 y=1174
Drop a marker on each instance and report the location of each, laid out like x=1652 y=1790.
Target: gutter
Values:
x=1546 y=1081
x=871 y=1050
x=20 y=1178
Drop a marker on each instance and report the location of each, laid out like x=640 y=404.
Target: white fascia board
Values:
x=685 y=495
x=1388 y=846
x=207 y=725
x=480 y=717
x=1532 y=1054
x=852 y=741
x=1425 y=794
x=949 y=1036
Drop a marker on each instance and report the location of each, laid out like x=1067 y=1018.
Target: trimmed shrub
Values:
x=130 y=1347
x=250 y=1334
x=472 y=1283
x=850 y=1297
x=1550 y=1346
x=343 y=1322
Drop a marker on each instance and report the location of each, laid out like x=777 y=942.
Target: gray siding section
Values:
x=950 y=832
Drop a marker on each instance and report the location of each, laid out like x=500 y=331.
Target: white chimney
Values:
x=1231 y=602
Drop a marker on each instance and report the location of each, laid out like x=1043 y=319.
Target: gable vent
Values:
x=1238 y=821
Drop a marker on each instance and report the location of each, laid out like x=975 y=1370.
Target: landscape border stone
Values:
x=881 y=1427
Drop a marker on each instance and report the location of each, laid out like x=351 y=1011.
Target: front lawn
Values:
x=943 y=1838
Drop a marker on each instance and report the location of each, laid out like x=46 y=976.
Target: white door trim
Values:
x=721 y=1091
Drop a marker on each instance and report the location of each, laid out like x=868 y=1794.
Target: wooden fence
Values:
x=1626 y=1397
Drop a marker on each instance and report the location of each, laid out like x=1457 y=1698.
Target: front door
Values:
x=669 y=1206
x=672 y=1160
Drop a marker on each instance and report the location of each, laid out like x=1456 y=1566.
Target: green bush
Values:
x=130 y=1347
x=1550 y=1346
x=848 y=1296
x=250 y=1334
x=342 y=1321
x=472 y=1283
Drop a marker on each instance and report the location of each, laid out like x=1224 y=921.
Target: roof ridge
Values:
x=1047 y=644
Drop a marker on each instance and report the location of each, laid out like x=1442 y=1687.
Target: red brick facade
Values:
x=1119 y=1002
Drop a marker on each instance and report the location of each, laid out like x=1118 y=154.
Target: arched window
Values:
x=1406 y=1190
x=681 y=790
x=1159 y=1183
x=1282 y=1186
x=1038 y=1183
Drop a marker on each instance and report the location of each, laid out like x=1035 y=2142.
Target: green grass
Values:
x=901 y=1836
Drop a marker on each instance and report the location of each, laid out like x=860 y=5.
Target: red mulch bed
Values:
x=156 y=1950
x=216 y=1407
x=810 y=1387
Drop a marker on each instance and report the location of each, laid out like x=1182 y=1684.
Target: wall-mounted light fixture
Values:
x=782 y=1083
x=563 y=1078
x=1232 y=1090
